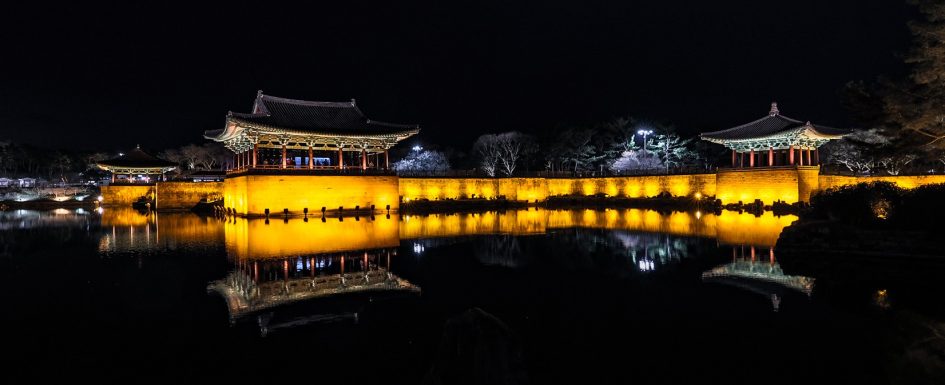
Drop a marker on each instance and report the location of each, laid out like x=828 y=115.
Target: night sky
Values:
x=108 y=77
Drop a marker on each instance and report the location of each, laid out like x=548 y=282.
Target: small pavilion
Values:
x=287 y=134
x=136 y=162
x=775 y=140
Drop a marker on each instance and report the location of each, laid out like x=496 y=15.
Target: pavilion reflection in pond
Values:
x=756 y=270
x=290 y=272
x=265 y=284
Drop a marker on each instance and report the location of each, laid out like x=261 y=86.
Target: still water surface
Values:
x=527 y=296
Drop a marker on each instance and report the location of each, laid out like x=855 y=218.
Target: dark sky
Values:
x=108 y=77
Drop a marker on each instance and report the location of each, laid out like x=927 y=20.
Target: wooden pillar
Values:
x=311 y=162
x=770 y=156
x=255 y=153
x=386 y=160
x=808 y=156
x=751 y=158
x=791 y=155
x=113 y=177
x=283 y=155
x=816 y=157
x=363 y=159
x=741 y=160
x=341 y=158
x=733 y=158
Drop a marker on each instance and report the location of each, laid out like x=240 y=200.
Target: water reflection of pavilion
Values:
x=293 y=272
x=758 y=272
x=255 y=285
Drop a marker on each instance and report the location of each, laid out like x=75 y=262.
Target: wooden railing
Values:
x=304 y=170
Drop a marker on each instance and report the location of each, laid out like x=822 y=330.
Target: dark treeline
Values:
x=71 y=166
x=619 y=146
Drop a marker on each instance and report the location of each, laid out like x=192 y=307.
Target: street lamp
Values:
x=417 y=148
x=644 y=133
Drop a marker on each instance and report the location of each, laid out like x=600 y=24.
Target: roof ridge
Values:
x=307 y=102
x=401 y=125
x=782 y=117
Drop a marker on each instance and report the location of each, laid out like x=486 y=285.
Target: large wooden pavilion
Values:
x=287 y=134
x=775 y=140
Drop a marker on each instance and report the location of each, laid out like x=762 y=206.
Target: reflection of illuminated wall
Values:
x=729 y=227
x=184 y=195
x=530 y=189
x=451 y=225
x=253 y=238
x=251 y=195
x=126 y=229
x=124 y=195
x=124 y=216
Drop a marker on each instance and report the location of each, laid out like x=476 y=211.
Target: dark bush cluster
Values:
x=879 y=204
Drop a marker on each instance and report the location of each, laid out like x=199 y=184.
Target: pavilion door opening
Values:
x=776 y=158
x=322 y=158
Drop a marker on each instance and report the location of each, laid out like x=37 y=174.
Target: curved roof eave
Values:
x=242 y=124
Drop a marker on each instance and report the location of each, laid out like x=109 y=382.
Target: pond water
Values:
x=526 y=296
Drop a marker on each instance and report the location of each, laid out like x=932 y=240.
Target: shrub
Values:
x=921 y=207
x=861 y=204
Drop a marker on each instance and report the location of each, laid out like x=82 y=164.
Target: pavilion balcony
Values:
x=305 y=170
x=763 y=167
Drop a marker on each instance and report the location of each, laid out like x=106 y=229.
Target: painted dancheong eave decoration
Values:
x=290 y=124
x=136 y=162
x=775 y=140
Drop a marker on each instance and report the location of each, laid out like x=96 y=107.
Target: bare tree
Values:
x=487 y=152
x=174 y=155
x=191 y=155
x=574 y=149
x=213 y=154
x=894 y=163
x=857 y=151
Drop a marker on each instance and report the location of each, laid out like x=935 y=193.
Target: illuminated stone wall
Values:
x=904 y=181
x=124 y=195
x=253 y=194
x=184 y=195
x=767 y=184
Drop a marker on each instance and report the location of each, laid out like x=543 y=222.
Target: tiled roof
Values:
x=137 y=158
x=767 y=126
x=321 y=117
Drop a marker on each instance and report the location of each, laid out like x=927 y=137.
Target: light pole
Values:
x=644 y=133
